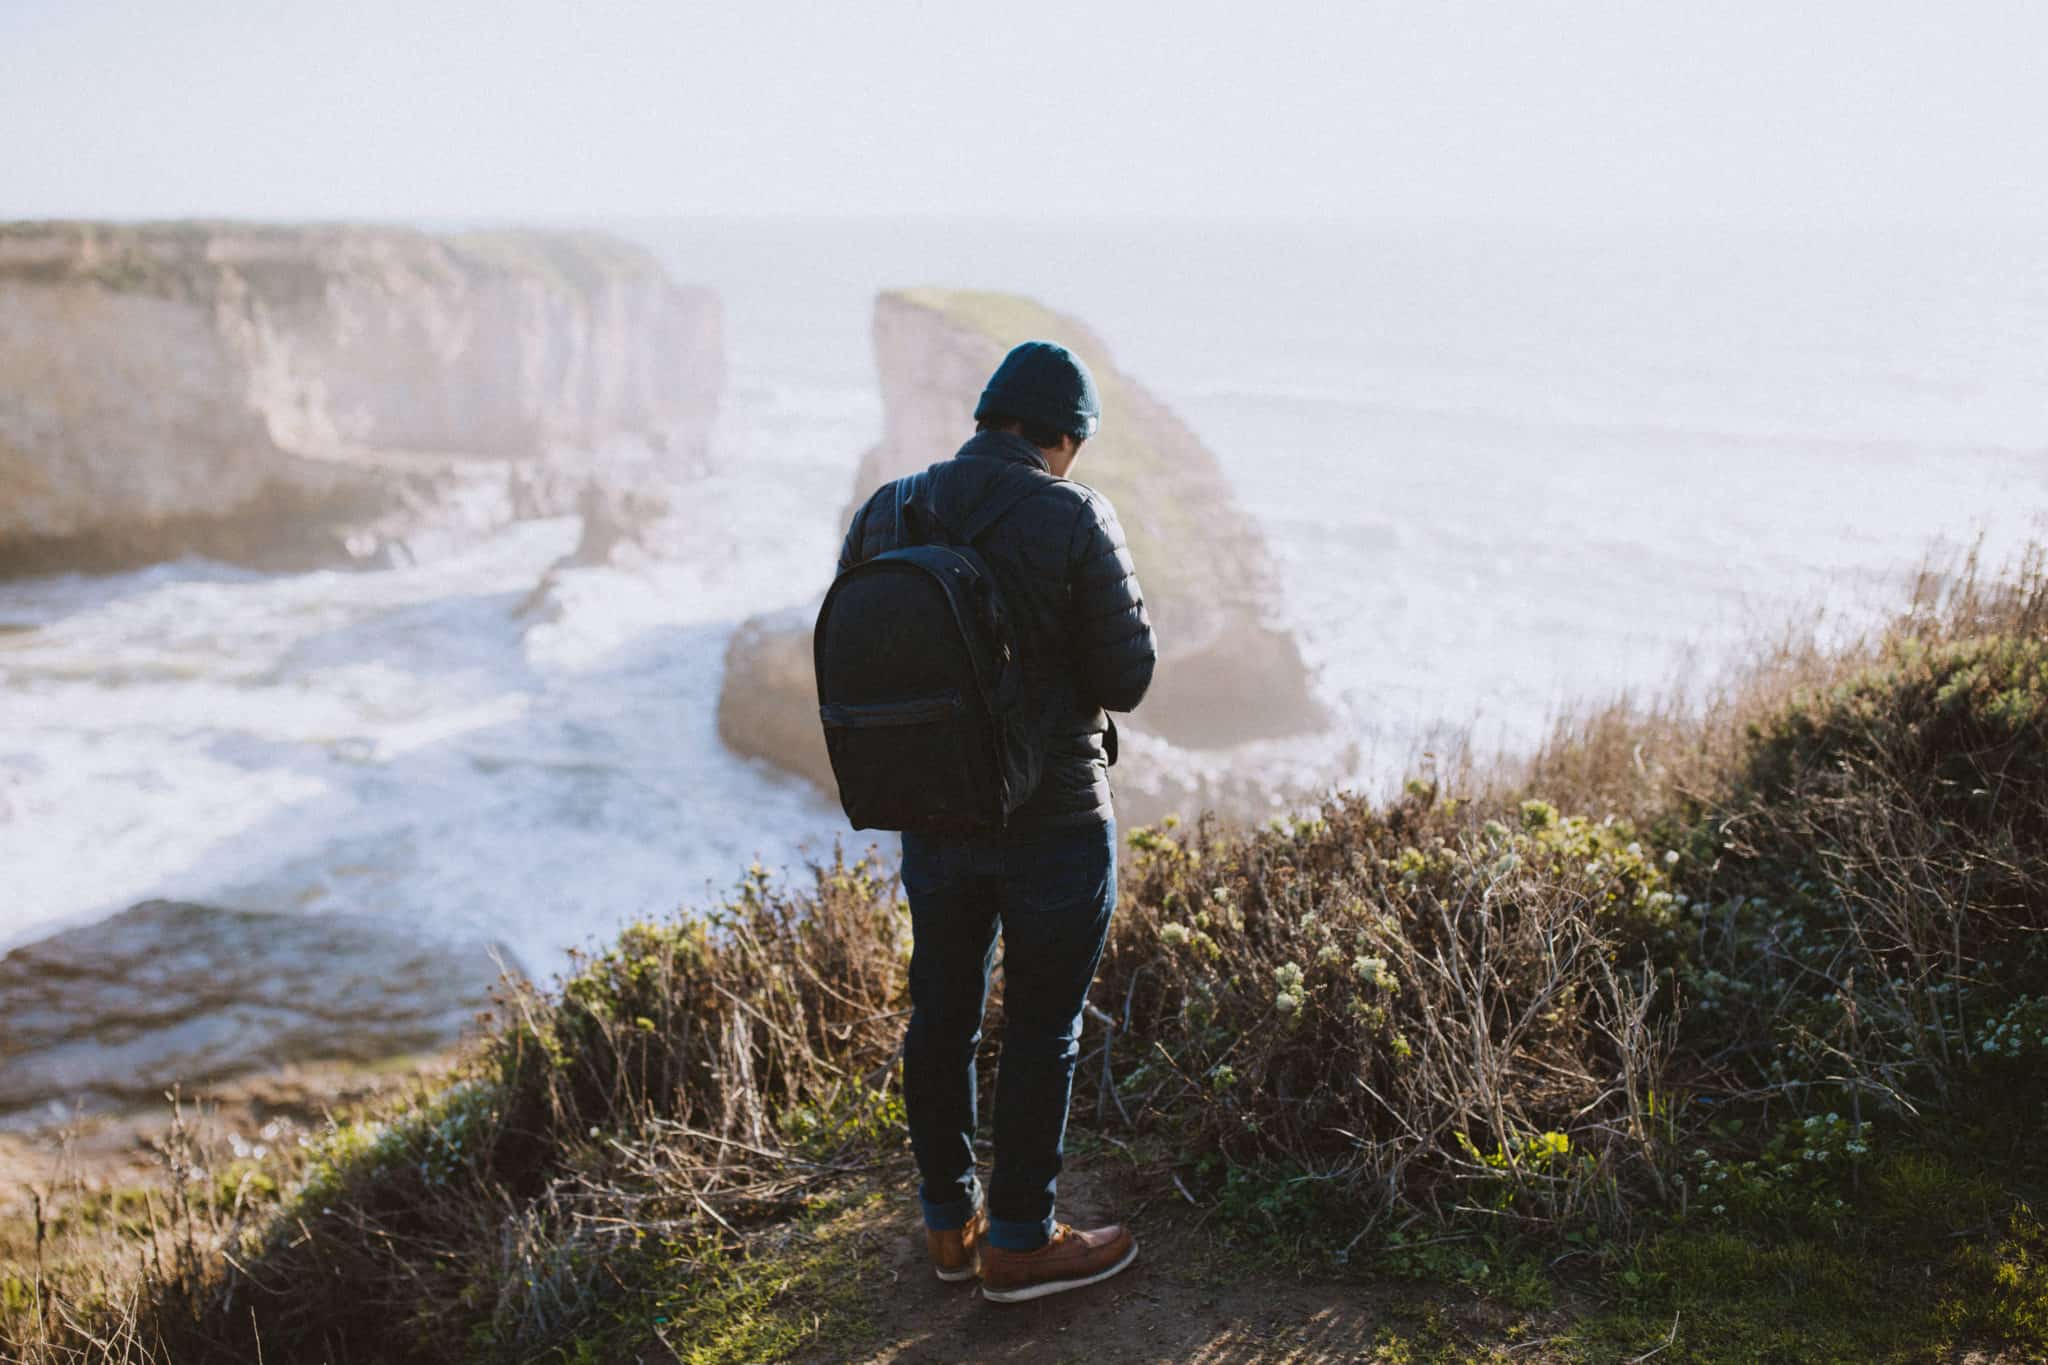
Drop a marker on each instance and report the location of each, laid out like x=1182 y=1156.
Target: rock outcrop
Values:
x=169 y=993
x=306 y=394
x=1234 y=718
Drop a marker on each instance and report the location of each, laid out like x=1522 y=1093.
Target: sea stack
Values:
x=288 y=395
x=1234 y=719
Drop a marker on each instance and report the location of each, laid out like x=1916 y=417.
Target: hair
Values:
x=1044 y=435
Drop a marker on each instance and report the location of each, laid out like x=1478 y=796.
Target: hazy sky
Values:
x=1515 y=110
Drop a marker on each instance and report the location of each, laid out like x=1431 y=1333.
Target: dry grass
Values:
x=697 y=1078
x=1870 y=830
x=1422 y=1010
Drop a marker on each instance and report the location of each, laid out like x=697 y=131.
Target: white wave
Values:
x=398 y=743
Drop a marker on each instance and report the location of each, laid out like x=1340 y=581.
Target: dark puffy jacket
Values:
x=1072 y=592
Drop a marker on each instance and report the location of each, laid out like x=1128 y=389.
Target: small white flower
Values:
x=1671 y=858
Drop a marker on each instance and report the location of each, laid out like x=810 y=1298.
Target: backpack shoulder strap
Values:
x=909 y=489
x=896 y=533
x=993 y=508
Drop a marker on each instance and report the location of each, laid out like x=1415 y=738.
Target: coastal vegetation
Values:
x=1713 y=1030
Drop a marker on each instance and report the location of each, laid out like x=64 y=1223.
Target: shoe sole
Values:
x=1024 y=1293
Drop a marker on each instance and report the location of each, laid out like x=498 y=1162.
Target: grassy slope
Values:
x=1441 y=1079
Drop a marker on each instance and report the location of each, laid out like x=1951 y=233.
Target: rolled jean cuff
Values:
x=1015 y=1236
x=952 y=1215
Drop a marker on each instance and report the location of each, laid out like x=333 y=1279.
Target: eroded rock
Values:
x=1234 y=721
x=296 y=395
x=169 y=992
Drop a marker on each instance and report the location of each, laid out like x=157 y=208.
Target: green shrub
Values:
x=1344 y=995
x=1881 y=881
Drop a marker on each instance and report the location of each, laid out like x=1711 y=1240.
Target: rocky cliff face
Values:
x=1233 y=715
x=259 y=392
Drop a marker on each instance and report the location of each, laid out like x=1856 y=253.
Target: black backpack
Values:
x=927 y=720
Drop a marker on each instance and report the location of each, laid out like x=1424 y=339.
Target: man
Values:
x=1048 y=880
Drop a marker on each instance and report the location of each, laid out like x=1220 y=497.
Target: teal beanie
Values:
x=1043 y=382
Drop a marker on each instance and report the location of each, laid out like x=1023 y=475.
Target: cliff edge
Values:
x=1234 y=715
x=286 y=394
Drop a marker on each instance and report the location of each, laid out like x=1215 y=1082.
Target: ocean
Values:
x=1502 y=472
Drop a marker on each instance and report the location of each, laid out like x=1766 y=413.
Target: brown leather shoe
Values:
x=953 y=1250
x=1071 y=1259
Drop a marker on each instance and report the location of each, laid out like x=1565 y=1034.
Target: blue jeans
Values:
x=1051 y=893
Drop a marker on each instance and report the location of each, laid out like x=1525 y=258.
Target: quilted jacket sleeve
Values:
x=1114 y=632
x=865 y=537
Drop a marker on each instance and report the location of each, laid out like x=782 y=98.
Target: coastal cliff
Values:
x=1233 y=716
x=321 y=393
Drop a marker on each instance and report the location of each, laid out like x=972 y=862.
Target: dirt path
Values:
x=1184 y=1300
x=1152 y=1312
